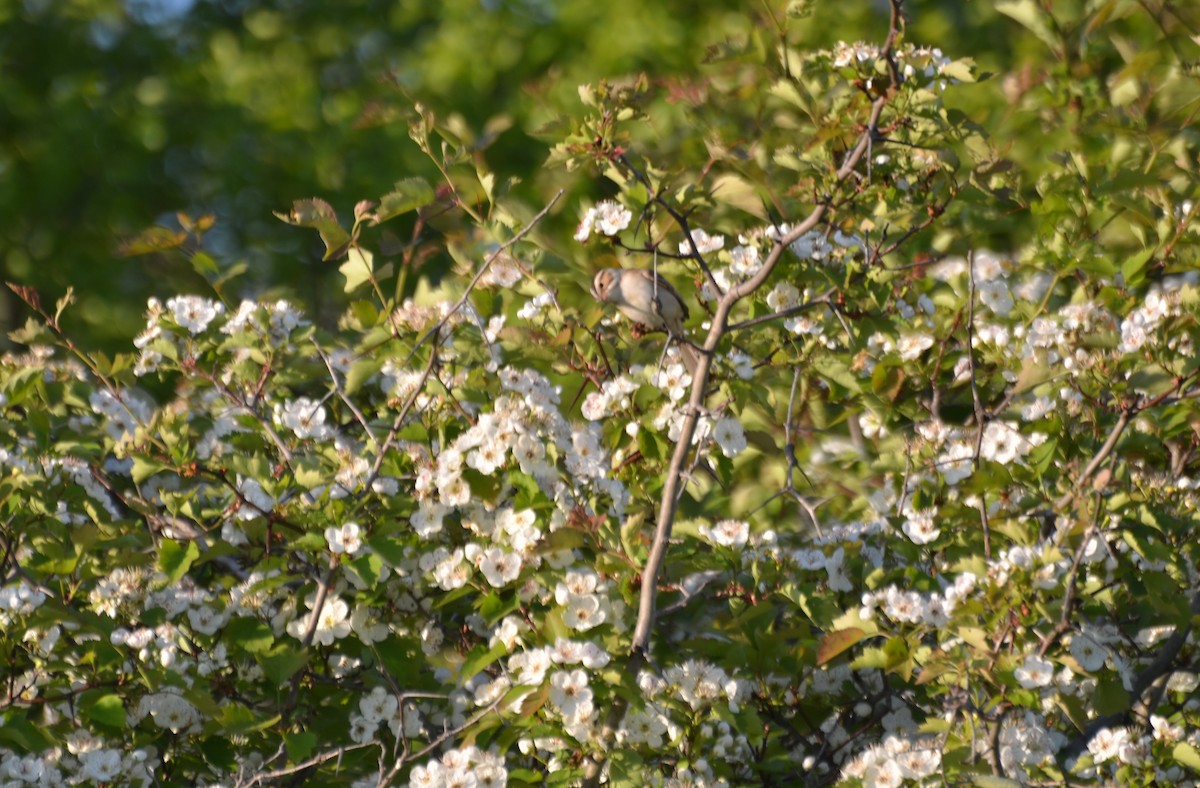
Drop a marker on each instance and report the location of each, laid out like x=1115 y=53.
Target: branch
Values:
x=313 y=621
x=398 y=422
x=487 y=263
x=980 y=413
x=349 y=403
x=1101 y=456
x=671 y=489
x=1143 y=684
x=316 y=760
x=1064 y=622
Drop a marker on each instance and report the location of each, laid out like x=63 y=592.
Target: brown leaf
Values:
x=836 y=642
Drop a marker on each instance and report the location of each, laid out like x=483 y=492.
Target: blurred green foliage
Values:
x=116 y=115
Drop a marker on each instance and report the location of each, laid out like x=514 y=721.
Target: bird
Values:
x=649 y=301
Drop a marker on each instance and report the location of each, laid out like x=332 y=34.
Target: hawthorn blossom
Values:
x=535 y=306
x=783 y=296
x=332 y=624
x=583 y=611
x=529 y=667
x=921 y=528
x=729 y=436
x=569 y=690
x=19 y=599
x=872 y=425
x=255 y=501
x=1034 y=672
x=812 y=245
x=1003 y=443
x=193 y=312
x=744 y=261
x=727 y=533
x=500 y=567
x=100 y=766
x=1107 y=744
x=1164 y=729
x=304 y=417
x=674 y=380
x=427 y=520
x=346 y=539
x=606 y=217
x=1090 y=655
x=995 y=294
x=452 y=570
x=698 y=683
x=956 y=461
x=466 y=767
x=644 y=727
x=911 y=345
x=169 y=710
x=378 y=705
x=704 y=243
x=743 y=365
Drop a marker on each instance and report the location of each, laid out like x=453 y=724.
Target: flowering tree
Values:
x=921 y=512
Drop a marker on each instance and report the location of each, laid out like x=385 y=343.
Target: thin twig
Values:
x=487 y=263
x=316 y=760
x=349 y=403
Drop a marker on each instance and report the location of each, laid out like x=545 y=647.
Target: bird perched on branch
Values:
x=649 y=301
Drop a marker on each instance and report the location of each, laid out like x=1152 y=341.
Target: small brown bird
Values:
x=649 y=301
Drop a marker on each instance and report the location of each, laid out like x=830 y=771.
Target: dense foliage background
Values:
x=341 y=472
x=115 y=115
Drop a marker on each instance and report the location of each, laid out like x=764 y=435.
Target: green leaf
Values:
x=104 y=709
x=524 y=776
x=205 y=265
x=479 y=658
x=738 y=192
x=870 y=658
x=887 y=381
x=144 y=468
x=368 y=567
x=835 y=370
x=23 y=736
x=962 y=69
x=407 y=195
x=152 y=240
x=650 y=445
x=1110 y=697
x=360 y=372
x=1187 y=755
x=400 y=657
x=358 y=269
x=218 y=751
x=1134 y=269
x=631 y=535
x=389 y=547
x=800 y=9
x=992 y=781
x=319 y=215
x=234 y=718
x=299 y=745
x=309 y=472
x=282 y=662
x=176 y=558
x=1030 y=14
x=249 y=634
x=495 y=606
